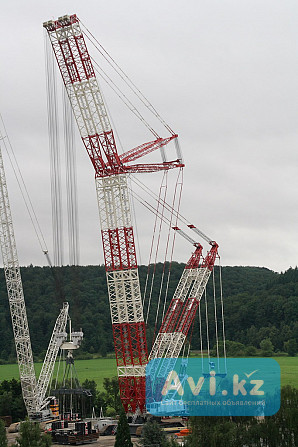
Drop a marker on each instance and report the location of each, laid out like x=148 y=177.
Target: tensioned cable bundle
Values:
x=22 y=186
x=125 y=77
x=54 y=144
x=71 y=182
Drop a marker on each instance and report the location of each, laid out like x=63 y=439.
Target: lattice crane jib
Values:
x=114 y=209
x=16 y=299
x=51 y=355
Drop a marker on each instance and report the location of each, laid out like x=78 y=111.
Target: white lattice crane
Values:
x=34 y=393
x=16 y=299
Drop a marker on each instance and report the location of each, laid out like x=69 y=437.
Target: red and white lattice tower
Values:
x=111 y=171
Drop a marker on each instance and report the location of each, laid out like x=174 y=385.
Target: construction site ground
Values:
x=103 y=441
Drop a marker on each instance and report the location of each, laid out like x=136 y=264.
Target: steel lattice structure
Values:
x=16 y=299
x=111 y=172
x=50 y=357
x=114 y=209
x=33 y=392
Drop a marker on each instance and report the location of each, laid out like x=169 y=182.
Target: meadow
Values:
x=98 y=369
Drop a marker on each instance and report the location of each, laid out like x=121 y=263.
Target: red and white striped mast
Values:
x=111 y=171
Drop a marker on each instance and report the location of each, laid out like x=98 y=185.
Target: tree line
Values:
x=280 y=429
x=260 y=308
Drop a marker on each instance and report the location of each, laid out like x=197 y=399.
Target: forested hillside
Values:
x=259 y=305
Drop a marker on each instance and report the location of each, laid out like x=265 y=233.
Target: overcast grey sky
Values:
x=223 y=73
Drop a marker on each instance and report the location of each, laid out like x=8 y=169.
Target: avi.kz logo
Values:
x=200 y=387
x=173 y=383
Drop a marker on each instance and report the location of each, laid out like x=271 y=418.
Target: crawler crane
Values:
x=111 y=174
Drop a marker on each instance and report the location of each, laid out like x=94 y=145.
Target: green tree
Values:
x=123 y=438
x=3 y=438
x=11 y=400
x=291 y=347
x=152 y=435
x=111 y=387
x=31 y=436
x=267 y=347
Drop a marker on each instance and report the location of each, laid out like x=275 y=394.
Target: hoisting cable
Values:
x=124 y=77
x=181 y=218
x=71 y=182
x=174 y=236
x=201 y=336
x=207 y=324
x=53 y=129
x=23 y=188
x=189 y=340
x=164 y=218
x=161 y=282
x=123 y=97
x=29 y=206
x=215 y=319
x=163 y=188
x=222 y=317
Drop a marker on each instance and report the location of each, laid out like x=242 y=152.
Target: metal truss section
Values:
x=186 y=280
x=162 y=341
x=119 y=249
x=191 y=275
x=189 y=283
x=170 y=344
x=130 y=344
x=200 y=284
x=78 y=75
x=113 y=202
x=133 y=393
x=88 y=107
x=125 y=296
x=51 y=355
x=16 y=298
x=134 y=371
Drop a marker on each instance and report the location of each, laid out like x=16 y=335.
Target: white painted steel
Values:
x=112 y=196
x=125 y=296
x=85 y=97
x=178 y=338
x=131 y=371
x=16 y=298
x=123 y=285
x=113 y=202
x=189 y=281
x=169 y=344
x=51 y=355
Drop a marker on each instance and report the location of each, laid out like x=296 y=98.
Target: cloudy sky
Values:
x=224 y=75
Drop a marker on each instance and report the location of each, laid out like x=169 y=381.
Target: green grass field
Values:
x=98 y=369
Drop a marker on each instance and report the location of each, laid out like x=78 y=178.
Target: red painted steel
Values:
x=210 y=258
x=119 y=248
x=145 y=149
x=190 y=308
x=176 y=304
x=194 y=260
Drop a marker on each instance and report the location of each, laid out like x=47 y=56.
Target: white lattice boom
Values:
x=16 y=299
x=51 y=355
x=182 y=310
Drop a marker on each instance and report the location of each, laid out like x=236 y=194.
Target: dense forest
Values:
x=261 y=308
